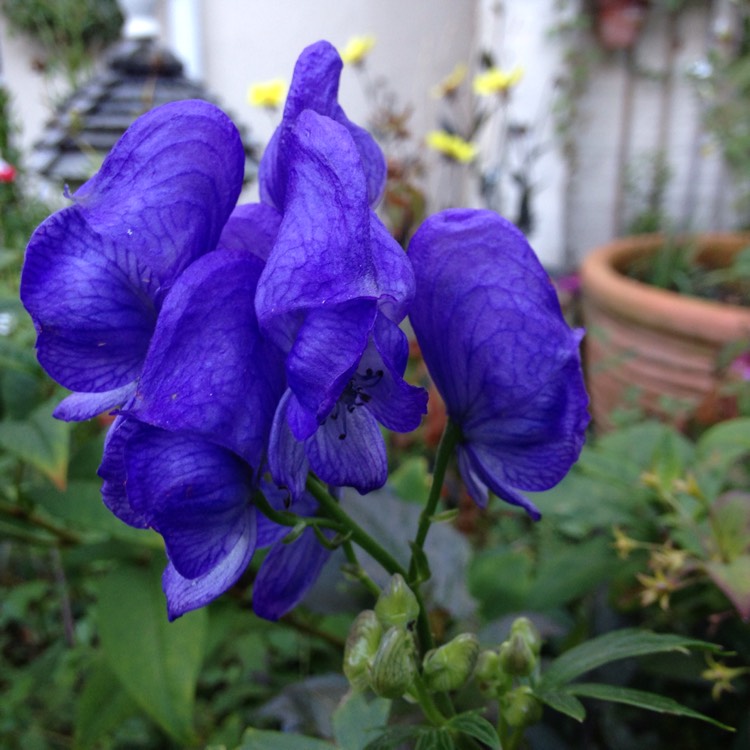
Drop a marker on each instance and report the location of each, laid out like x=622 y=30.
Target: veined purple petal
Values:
x=325 y=354
x=168 y=186
x=80 y=406
x=315 y=86
x=508 y=367
x=252 y=227
x=323 y=255
x=208 y=370
x=197 y=495
x=348 y=450
x=90 y=302
x=287 y=574
x=185 y=594
x=395 y=276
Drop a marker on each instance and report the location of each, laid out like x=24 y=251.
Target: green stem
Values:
x=287 y=518
x=356 y=533
x=426 y=703
x=451 y=436
x=63 y=535
x=358 y=571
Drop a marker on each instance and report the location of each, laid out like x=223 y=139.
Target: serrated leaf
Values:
x=41 y=441
x=358 y=718
x=156 y=662
x=474 y=725
x=564 y=703
x=256 y=739
x=95 y=718
x=621 y=644
x=641 y=699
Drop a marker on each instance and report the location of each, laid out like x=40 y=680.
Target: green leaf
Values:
x=500 y=579
x=411 y=480
x=256 y=739
x=562 y=702
x=730 y=514
x=621 y=644
x=641 y=699
x=733 y=579
x=357 y=719
x=435 y=739
x=474 y=725
x=95 y=718
x=157 y=662
x=393 y=737
x=41 y=441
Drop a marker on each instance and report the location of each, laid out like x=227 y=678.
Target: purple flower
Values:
x=492 y=335
x=314 y=86
x=96 y=273
x=331 y=296
x=199 y=497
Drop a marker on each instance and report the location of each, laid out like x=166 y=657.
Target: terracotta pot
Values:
x=649 y=347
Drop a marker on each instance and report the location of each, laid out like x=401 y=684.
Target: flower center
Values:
x=355 y=394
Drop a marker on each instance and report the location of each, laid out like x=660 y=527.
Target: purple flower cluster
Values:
x=244 y=347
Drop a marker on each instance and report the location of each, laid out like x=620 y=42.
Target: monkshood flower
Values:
x=331 y=296
x=489 y=325
x=199 y=497
x=315 y=85
x=96 y=273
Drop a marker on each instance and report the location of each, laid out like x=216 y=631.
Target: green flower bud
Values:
x=520 y=707
x=516 y=656
x=450 y=666
x=526 y=629
x=361 y=646
x=396 y=605
x=491 y=679
x=395 y=664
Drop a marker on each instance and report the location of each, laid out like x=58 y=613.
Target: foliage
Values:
x=68 y=31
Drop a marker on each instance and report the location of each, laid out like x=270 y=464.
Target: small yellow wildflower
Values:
x=721 y=675
x=657 y=588
x=357 y=49
x=269 y=94
x=449 y=85
x=623 y=543
x=452 y=146
x=496 y=81
x=669 y=559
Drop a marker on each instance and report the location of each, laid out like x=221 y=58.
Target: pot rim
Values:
x=605 y=287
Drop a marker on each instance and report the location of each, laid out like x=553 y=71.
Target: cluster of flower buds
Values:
x=381 y=652
x=505 y=673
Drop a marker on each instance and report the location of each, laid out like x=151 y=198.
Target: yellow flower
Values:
x=623 y=543
x=449 y=85
x=356 y=49
x=496 y=81
x=657 y=588
x=269 y=94
x=452 y=146
x=721 y=675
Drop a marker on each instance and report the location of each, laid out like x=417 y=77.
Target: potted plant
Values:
x=664 y=348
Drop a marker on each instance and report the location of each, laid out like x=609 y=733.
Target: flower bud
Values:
x=516 y=656
x=396 y=606
x=361 y=646
x=491 y=679
x=450 y=666
x=395 y=664
x=526 y=629
x=520 y=707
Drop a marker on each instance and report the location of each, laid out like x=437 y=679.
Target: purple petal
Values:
x=195 y=494
x=287 y=461
x=508 y=367
x=186 y=594
x=252 y=227
x=325 y=354
x=395 y=276
x=315 y=86
x=80 y=406
x=348 y=450
x=392 y=401
x=287 y=574
x=208 y=371
x=168 y=186
x=114 y=474
x=93 y=312
x=322 y=255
